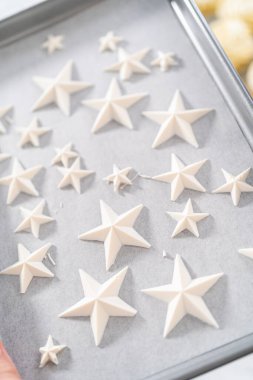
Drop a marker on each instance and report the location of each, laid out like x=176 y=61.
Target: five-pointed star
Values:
x=49 y=352
x=113 y=107
x=33 y=219
x=20 y=181
x=101 y=301
x=29 y=265
x=4 y=156
x=32 y=133
x=3 y=119
x=63 y=155
x=128 y=64
x=184 y=296
x=109 y=42
x=119 y=178
x=176 y=121
x=235 y=185
x=53 y=43
x=116 y=231
x=73 y=175
x=246 y=252
x=164 y=60
x=181 y=177
x=187 y=220
x=59 y=89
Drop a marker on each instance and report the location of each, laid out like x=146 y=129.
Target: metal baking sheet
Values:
x=132 y=348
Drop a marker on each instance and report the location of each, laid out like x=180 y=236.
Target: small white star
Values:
x=248 y=252
x=164 y=60
x=181 y=177
x=29 y=265
x=4 y=111
x=129 y=64
x=59 y=89
x=53 y=43
x=63 y=155
x=20 y=181
x=235 y=185
x=187 y=220
x=101 y=301
x=73 y=175
x=49 y=352
x=4 y=156
x=184 y=296
x=113 y=107
x=109 y=42
x=119 y=178
x=33 y=219
x=116 y=231
x=32 y=133
x=176 y=121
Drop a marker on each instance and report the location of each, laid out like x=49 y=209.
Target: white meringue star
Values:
x=184 y=296
x=59 y=89
x=63 y=155
x=53 y=43
x=109 y=42
x=113 y=107
x=32 y=133
x=181 y=177
x=4 y=156
x=33 y=219
x=49 y=352
x=20 y=181
x=176 y=121
x=235 y=185
x=246 y=252
x=119 y=178
x=29 y=265
x=164 y=60
x=73 y=175
x=116 y=231
x=3 y=117
x=101 y=301
x=129 y=64
x=187 y=220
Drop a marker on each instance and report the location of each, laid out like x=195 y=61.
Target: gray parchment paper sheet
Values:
x=132 y=348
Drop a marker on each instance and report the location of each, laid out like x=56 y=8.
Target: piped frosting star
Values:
x=4 y=156
x=235 y=185
x=29 y=265
x=113 y=107
x=176 y=121
x=49 y=352
x=164 y=60
x=119 y=178
x=59 y=89
x=129 y=64
x=20 y=181
x=181 y=177
x=116 y=231
x=32 y=133
x=246 y=252
x=4 y=111
x=53 y=43
x=187 y=220
x=184 y=296
x=33 y=219
x=63 y=155
x=101 y=301
x=73 y=175
x=109 y=42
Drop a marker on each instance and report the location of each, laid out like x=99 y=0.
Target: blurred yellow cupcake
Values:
x=242 y=9
x=207 y=7
x=249 y=78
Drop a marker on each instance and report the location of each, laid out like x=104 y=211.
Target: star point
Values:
x=4 y=111
x=119 y=178
x=32 y=133
x=164 y=60
x=4 y=156
x=49 y=352
x=53 y=43
x=63 y=155
x=248 y=252
x=109 y=42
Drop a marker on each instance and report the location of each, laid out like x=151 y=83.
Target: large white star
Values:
x=32 y=133
x=101 y=301
x=20 y=181
x=116 y=231
x=59 y=89
x=4 y=111
x=53 y=43
x=187 y=220
x=119 y=178
x=181 y=177
x=113 y=107
x=246 y=252
x=235 y=185
x=176 y=121
x=109 y=42
x=29 y=265
x=184 y=296
x=164 y=60
x=33 y=219
x=63 y=155
x=129 y=64
x=49 y=352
